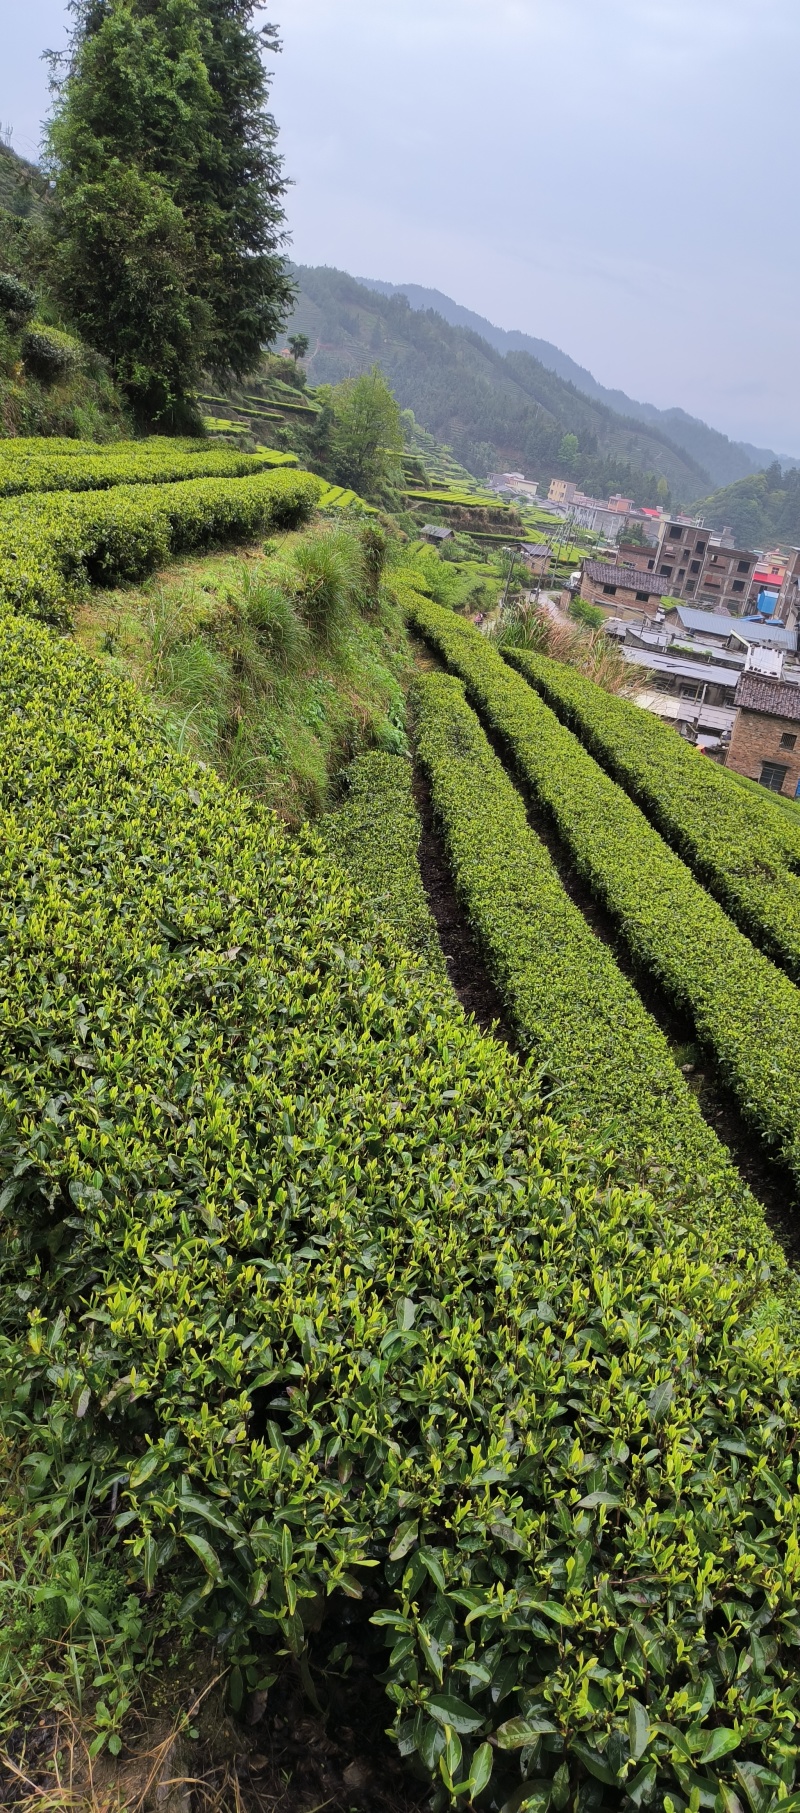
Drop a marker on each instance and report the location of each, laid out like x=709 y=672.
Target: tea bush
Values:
x=301 y=1295
x=50 y=544
x=743 y=1008
x=611 y=1066
x=375 y=835
x=740 y=847
x=157 y=461
x=49 y=353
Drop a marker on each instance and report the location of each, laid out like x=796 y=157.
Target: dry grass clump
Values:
x=591 y=651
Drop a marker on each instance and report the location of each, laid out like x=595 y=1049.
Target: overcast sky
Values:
x=617 y=176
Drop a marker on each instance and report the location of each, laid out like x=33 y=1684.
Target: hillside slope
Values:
x=724 y=459
x=492 y=409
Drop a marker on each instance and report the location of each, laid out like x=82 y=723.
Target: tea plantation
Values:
x=311 y=1293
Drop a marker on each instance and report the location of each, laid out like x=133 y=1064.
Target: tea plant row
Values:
x=744 y=850
x=128 y=463
x=375 y=835
x=51 y=544
x=604 y=1057
x=744 y=1010
x=301 y=1291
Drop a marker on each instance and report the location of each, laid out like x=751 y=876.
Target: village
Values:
x=713 y=627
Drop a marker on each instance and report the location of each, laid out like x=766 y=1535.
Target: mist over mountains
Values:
x=724 y=460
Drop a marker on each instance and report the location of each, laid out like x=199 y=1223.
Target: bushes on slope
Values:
x=612 y=1067
x=375 y=834
x=126 y=463
x=301 y=1295
x=743 y=1008
x=50 y=544
x=738 y=845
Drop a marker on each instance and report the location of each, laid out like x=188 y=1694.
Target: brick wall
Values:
x=756 y=739
x=620 y=603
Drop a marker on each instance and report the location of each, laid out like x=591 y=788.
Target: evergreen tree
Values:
x=168 y=216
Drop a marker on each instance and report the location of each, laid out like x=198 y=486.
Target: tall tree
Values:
x=168 y=218
x=367 y=434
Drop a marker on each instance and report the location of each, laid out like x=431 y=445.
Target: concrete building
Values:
x=704 y=566
x=681 y=556
x=632 y=554
x=765 y=740
x=622 y=591
x=561 y=491
x=788 y=605
x=726 y=577
x=514 y=484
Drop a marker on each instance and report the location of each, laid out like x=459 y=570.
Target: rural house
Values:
x=765 y=741
x=622 y=591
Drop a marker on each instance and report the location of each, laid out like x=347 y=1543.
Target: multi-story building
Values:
x=703 y=566
x=681 y=556
x=561 y=491
x=726 y=578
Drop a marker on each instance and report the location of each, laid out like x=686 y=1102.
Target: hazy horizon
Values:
x=617 y=181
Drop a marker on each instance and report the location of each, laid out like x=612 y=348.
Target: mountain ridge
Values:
x=724 y=459
x=495 y=409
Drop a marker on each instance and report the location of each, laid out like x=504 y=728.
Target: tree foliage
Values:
x=367 y=434
x=168 y=187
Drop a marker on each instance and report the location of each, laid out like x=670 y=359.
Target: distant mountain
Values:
x=497 y=408
x=725 y=460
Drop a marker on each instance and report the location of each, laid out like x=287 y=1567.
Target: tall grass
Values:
x=589 y=650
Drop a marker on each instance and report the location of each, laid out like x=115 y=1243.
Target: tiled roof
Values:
x=776 y=698
x=630 y=579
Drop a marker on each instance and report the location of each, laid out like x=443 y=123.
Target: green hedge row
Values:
x=743 y=1008
x=154 y=462
x=609 y=1064
x=375 y=834
x=50 y=544
x=744 y=850
x=300 y=1293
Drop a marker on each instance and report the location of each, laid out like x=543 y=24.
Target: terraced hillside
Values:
x=333 y=1331
x=496 y=411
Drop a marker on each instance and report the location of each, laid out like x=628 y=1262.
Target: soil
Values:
x=280 y=1755
x=466 y=968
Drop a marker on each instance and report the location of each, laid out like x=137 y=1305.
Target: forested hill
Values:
x=761 y=509
x=495 y=410
x=724 y=459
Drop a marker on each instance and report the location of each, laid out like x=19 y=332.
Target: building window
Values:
x=788 y=741
x=666 y=572
x=693 y=692
x=650 y=565
x=738 y=585
x=642 y=597
x=676 y=534
x=699 y=547
x=695 y=566
x=610 y=591
x=773 y=776
x=689 y=587
x=743 y=567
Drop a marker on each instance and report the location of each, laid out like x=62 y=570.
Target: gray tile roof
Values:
x=629 y=579
x=775 y=698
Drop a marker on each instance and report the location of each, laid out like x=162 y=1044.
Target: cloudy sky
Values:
x=618 y=177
